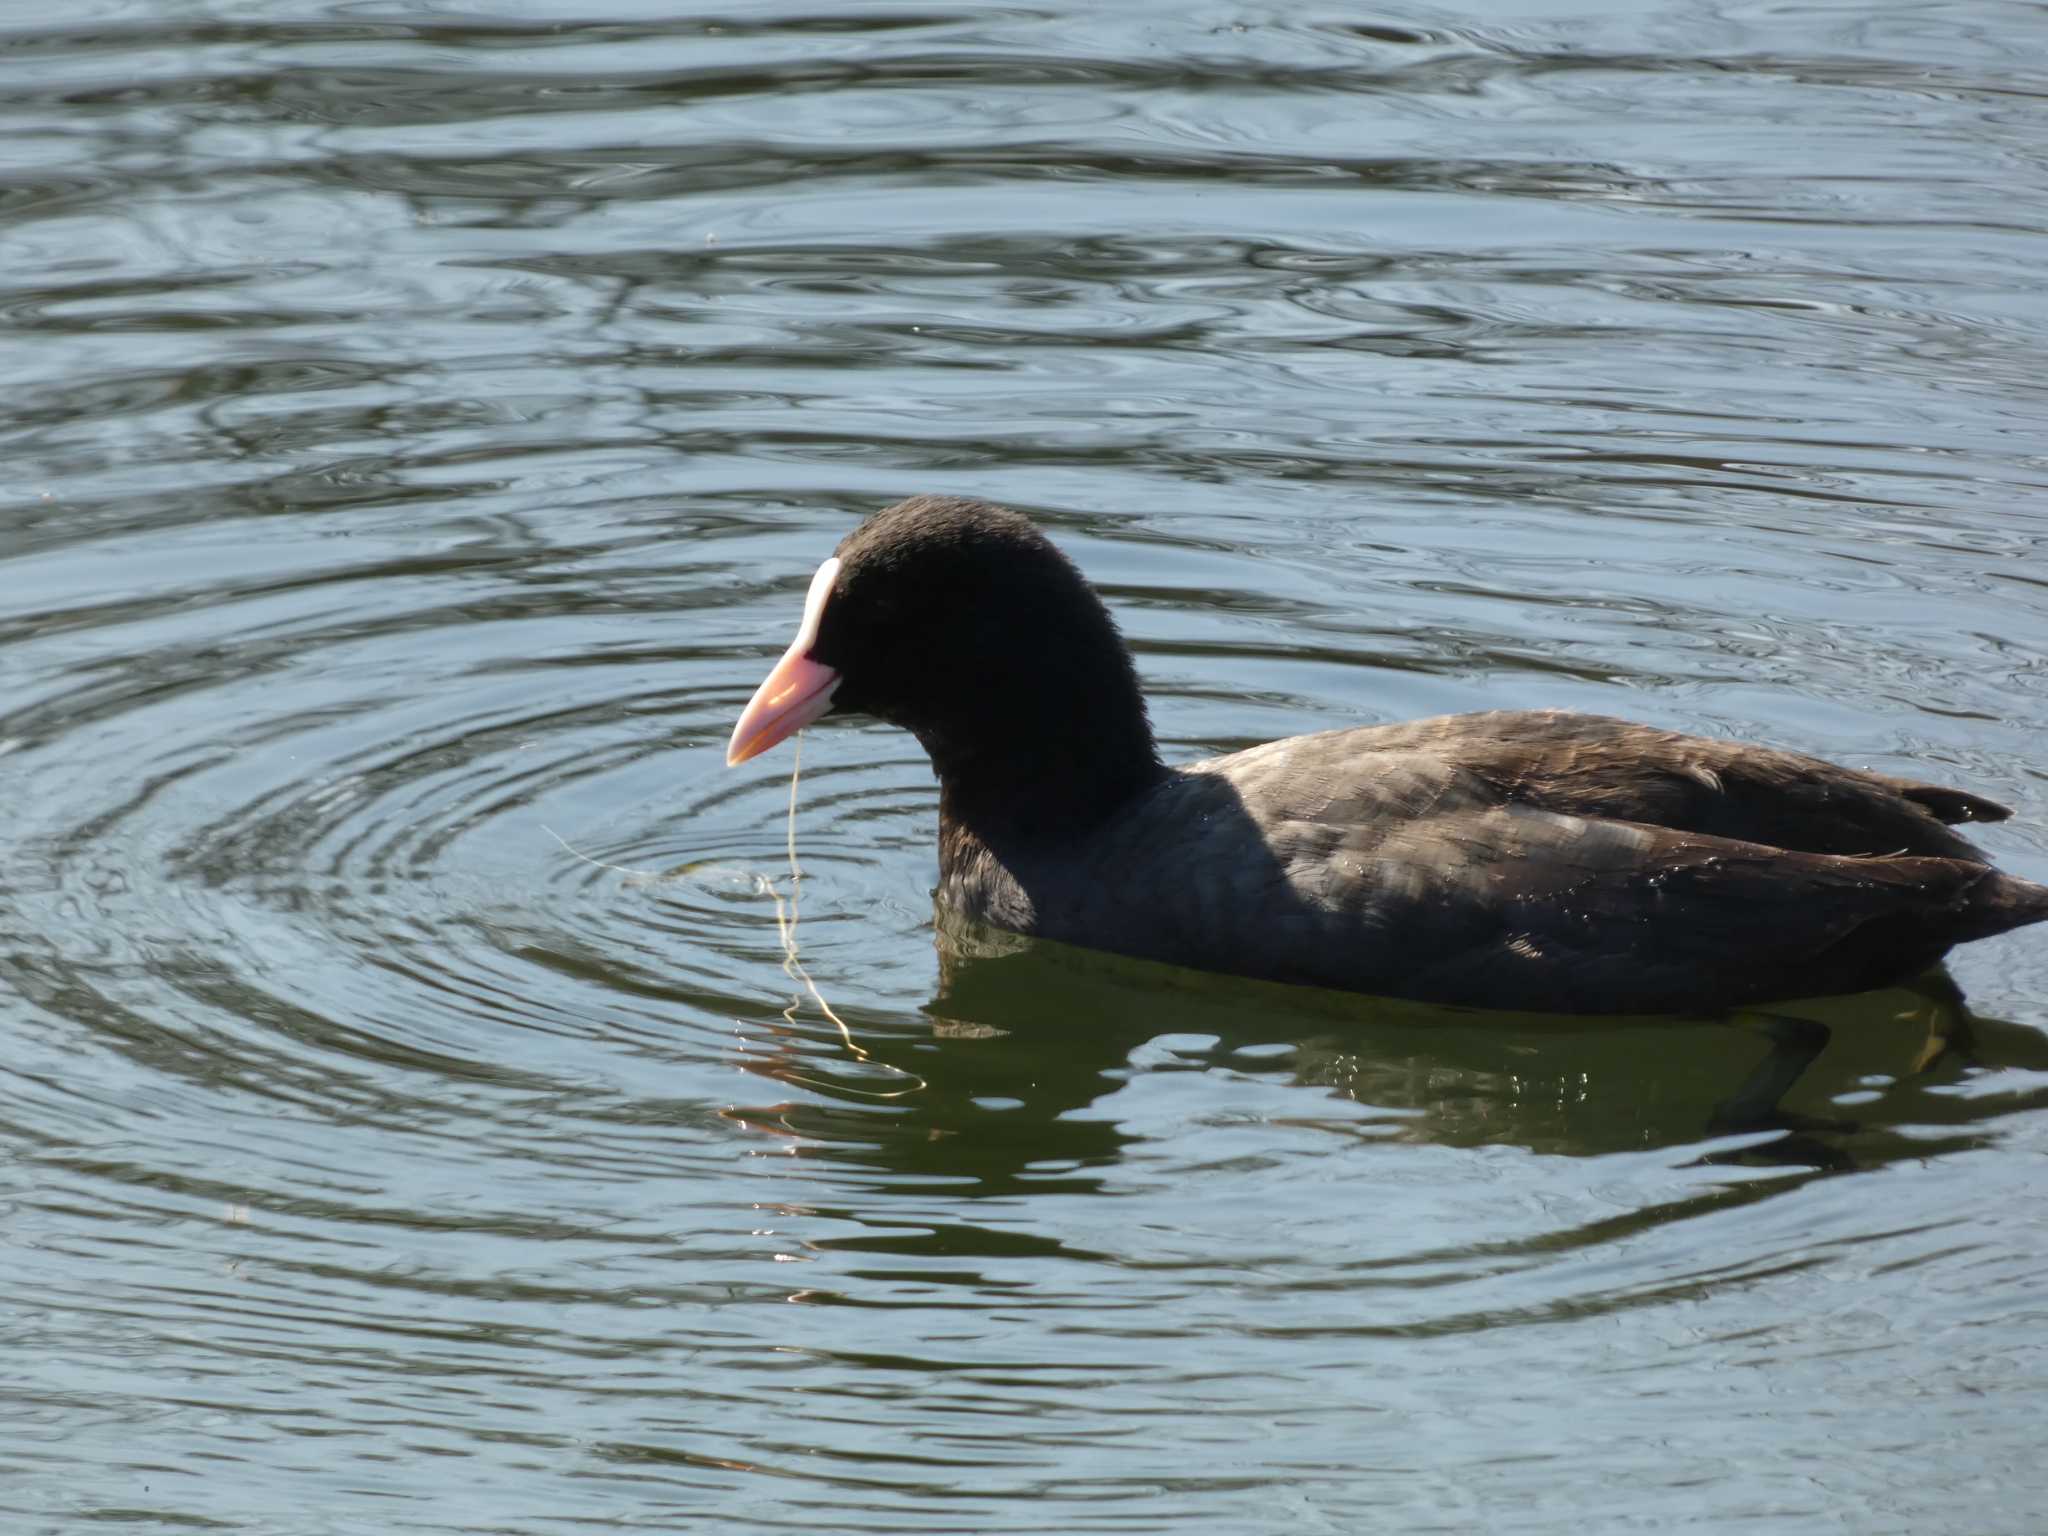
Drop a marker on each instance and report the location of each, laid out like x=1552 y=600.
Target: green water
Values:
x=420 y=427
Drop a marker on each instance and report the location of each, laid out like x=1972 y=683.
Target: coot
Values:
x=1536 y=860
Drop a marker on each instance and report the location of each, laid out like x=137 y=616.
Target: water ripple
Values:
x=422 y=432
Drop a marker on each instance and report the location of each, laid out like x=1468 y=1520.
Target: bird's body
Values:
x=1545 y=861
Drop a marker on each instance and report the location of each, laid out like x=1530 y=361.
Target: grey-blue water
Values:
x=420 y=423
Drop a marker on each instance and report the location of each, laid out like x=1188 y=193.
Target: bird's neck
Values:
x=1033 y=782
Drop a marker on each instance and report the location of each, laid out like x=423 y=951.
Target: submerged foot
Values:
x=1949 y=1035
x=1796 y=1044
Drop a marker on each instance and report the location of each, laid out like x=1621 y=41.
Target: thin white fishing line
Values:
x=785 y=927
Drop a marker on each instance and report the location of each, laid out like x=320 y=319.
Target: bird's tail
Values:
x=1996 y=903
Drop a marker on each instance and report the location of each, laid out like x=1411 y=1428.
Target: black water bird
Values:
x=1534 y=860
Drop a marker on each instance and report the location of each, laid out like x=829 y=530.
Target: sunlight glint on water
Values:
x=420 y=431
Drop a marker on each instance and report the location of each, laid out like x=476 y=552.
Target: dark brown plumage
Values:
x=1531 y=860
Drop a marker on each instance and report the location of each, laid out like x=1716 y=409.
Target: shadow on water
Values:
x=1004 y=1090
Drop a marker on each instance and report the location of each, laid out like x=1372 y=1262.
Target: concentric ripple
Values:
x=432 y=1103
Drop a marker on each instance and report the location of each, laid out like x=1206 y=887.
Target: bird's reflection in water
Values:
x=998 y=1090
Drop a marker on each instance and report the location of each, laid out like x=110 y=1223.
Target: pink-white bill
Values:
x=796 y=690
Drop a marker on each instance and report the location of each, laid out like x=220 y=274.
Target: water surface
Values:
x=422 y=424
